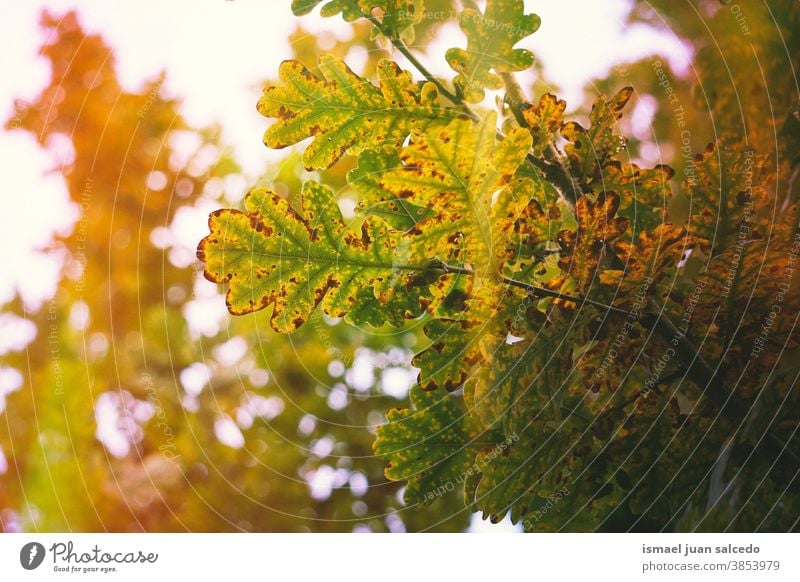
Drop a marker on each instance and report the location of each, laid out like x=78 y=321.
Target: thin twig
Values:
x=406 y=52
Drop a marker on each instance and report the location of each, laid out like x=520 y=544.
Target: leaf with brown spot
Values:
x=655 y=255
x=590 y=149
x=397 y=17
x=432 y=445
x=544 y=121
x=346 y=113
x=582 y=248
x=271 y=255
x=466 y=176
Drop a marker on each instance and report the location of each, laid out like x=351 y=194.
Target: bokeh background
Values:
x=129 y=399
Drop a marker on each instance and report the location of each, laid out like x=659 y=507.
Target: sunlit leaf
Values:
x=345 y=113
x=396 y=17
x=459 y=171
x=432 y=445
x=544 y=121
x=271 y=255
x=491 y=37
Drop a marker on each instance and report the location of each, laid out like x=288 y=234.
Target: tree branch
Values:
x=534 y=290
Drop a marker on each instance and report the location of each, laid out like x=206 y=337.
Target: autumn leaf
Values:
x=458 y=339
x=582 y=248
x=520 y=381
x=398 y=213
x=534 y=232
x=345 y=113
x=396 y=17
x=544 y=121
x=466 y=176
x=590 y=149
x=644 y=193
x=537 y=255
x=725 y=196
x=349 y=9
x=271 y=255
x=655 y=254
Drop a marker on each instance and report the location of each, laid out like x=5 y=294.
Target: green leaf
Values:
x=538 y=463
x=520 y=381
x=271 y=255
x=426 y=291
x=466 y=176
x=397 y=17
x=490 y=46
x=450 y=358
x=457 y=347
x=432 y=446
x=399 y=213
x=345 y=113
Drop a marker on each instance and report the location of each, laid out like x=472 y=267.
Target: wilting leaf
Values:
x=644 y=192
x=533 y=233
x=590 y=149
x=646 y=263
x=582 y=249
x=544 y=121
x=491 y=37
